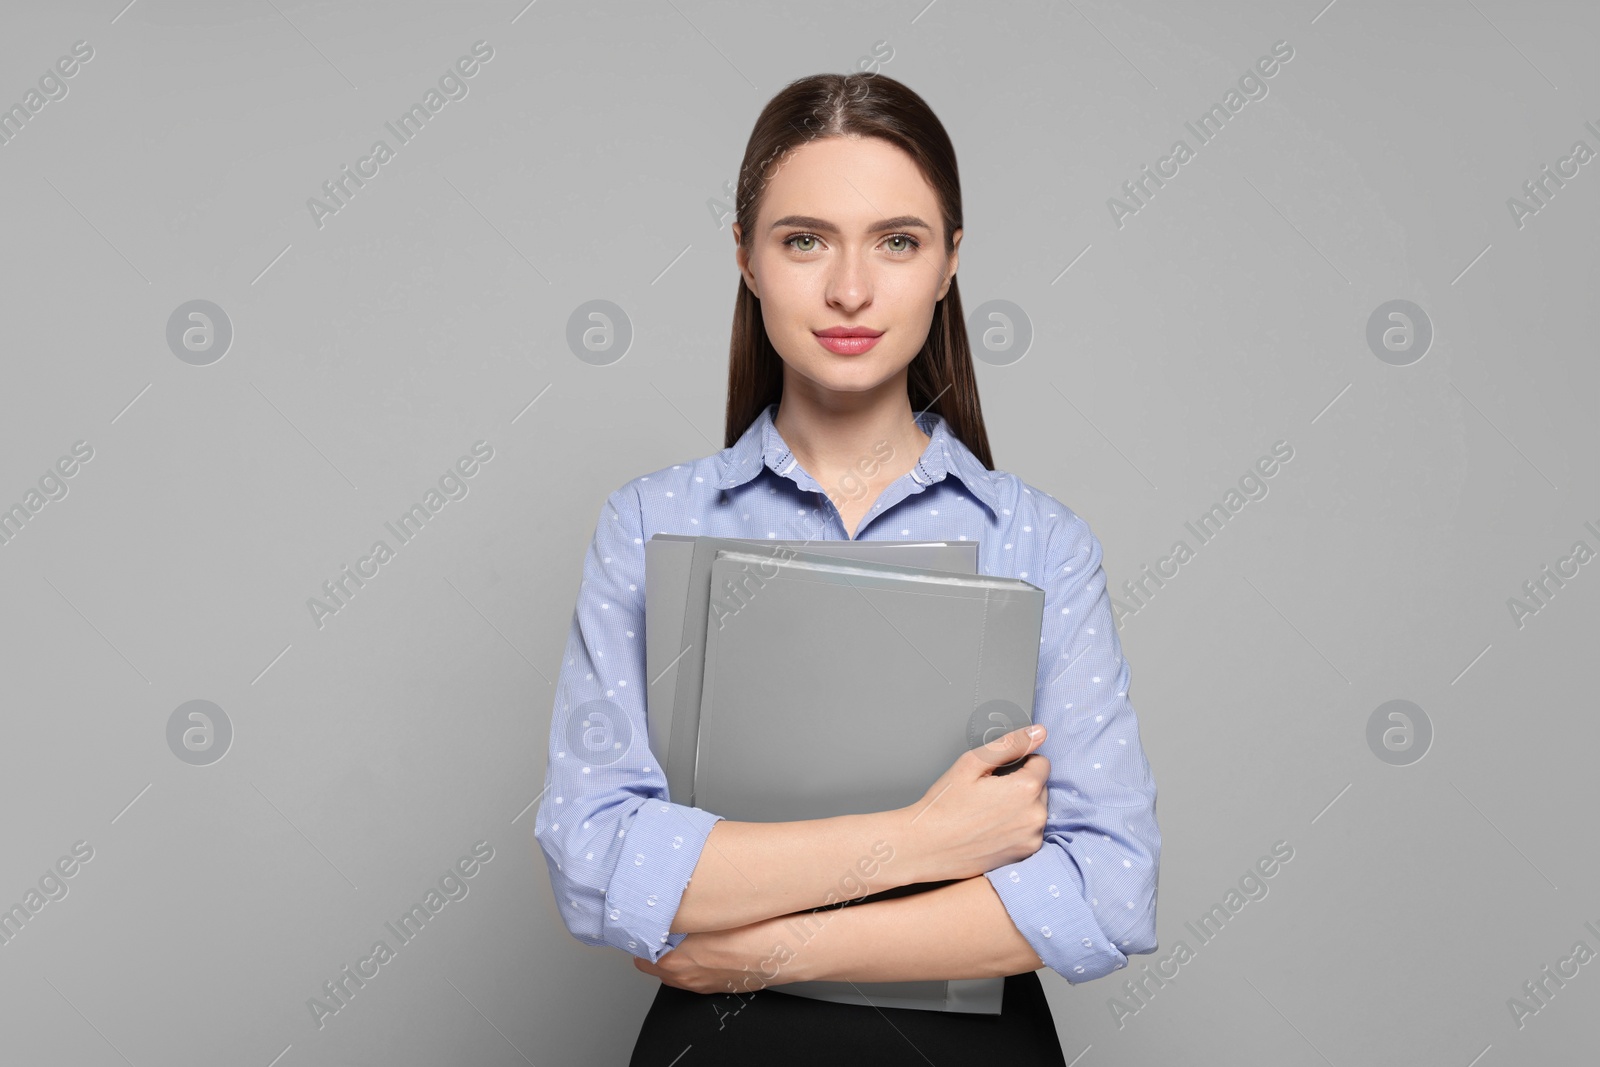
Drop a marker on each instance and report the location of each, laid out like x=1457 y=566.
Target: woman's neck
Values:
x=874 y=443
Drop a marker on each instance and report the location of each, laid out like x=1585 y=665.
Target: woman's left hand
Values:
x=740 y=960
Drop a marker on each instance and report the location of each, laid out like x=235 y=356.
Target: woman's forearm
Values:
x=960 y=930
x=750 y=871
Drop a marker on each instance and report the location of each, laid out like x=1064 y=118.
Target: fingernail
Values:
x=1035 y=731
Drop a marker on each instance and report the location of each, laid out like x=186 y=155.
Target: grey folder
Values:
x=675 y=620
x=805 y=676
x=814 y=653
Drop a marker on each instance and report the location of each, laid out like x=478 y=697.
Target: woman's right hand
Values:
x=973 y=820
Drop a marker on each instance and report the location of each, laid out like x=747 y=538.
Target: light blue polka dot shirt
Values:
x=620 y=852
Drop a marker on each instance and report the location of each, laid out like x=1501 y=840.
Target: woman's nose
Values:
x=850 y=280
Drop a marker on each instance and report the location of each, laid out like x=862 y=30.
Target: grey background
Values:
x=431 y=312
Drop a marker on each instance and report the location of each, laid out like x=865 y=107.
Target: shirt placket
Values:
x=903 y=487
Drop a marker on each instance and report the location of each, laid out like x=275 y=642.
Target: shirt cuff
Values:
x=660 y=849
x=1043 y=894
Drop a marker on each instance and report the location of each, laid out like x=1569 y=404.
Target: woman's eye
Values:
x=910 y=244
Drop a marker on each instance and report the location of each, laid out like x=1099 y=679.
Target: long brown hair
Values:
x=940 y=378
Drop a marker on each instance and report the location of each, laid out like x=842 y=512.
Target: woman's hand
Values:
x=740 y=960
x=973 y=819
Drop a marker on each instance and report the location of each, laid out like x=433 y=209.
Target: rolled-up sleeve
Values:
x=1086 y=900
x=619 y=852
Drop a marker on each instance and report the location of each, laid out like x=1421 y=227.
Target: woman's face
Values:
x=849 y=233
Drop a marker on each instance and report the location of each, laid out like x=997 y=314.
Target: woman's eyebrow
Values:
x=899 y=222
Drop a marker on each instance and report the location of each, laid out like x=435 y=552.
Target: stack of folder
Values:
x=778 y=667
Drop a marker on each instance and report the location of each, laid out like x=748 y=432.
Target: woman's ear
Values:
x=950 y=266
x=741 y=257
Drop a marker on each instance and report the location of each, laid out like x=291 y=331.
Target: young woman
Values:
x=853 y=413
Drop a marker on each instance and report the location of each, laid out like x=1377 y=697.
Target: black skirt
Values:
x=774 y=1029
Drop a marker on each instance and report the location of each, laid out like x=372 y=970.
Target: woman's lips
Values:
x=847 y=346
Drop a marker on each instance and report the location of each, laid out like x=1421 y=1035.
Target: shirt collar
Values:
x=761 y=445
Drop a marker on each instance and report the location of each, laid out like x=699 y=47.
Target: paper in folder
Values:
x=807 y=660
